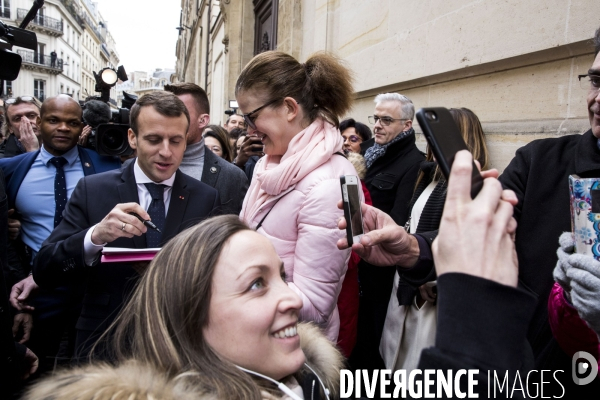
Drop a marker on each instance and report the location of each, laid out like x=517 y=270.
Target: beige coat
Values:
x=132 y=380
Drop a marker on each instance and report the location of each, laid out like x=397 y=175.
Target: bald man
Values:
x=38 y=185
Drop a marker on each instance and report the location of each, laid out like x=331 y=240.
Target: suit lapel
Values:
x=128 y=194
x=211 y=169
x=177 y=207
x=86 y=162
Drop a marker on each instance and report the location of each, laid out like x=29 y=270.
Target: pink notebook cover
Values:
x=112 y=255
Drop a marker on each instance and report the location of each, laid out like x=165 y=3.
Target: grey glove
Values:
x=584 y=277
x=567 y=246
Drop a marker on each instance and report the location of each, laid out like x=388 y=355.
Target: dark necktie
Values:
x=60 y=188
x=156 y=212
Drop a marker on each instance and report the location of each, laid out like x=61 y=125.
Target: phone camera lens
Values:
x=432 y=116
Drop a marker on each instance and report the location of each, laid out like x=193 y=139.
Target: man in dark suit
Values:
x=202 y=164
x=31 y=191
x=99 y=214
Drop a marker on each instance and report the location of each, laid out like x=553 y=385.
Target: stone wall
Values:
x=513 y=62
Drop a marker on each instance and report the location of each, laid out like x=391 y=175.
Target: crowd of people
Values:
x=255 y=292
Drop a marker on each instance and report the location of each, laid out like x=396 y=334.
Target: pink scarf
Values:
x=273 y=175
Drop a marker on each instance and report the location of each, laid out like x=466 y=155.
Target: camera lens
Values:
x=432 y=116
x=113 y=140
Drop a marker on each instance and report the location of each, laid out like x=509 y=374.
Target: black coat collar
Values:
x=587 y=154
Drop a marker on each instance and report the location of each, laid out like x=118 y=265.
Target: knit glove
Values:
x=584 y=277
x=567 y=246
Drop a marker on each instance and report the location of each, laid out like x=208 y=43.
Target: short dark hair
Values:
x=360 y=128
x=597 y=42
x=236 y=132
x=165 y=103
x=180 y=88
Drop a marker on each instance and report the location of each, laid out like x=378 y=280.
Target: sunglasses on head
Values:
x=13 y=100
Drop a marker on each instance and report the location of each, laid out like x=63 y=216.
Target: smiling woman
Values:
x=294 y=109
x=214 y=299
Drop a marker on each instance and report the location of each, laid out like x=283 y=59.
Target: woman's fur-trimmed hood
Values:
x=132 y=380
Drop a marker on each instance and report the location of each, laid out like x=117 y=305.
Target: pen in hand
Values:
x=148 y=223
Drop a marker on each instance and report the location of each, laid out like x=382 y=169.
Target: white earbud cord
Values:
x=284 y=388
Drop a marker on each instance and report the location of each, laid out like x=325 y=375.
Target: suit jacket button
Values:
x=213 y=170
x=87 y=164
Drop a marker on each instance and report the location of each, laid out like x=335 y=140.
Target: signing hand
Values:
x=28 y=137
x=20 y=293
x=14 y=226
x=118 y=223
x=476 y=237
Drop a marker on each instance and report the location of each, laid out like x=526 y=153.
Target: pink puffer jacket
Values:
x=301 y=190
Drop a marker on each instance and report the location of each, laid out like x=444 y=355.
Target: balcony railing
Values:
x=5 y=12
x=43 y=61
x=41 y=21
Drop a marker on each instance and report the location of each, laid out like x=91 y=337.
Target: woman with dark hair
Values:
x=294 y=109
x=216 y=139
x=354 y=134
x=211 y=318
x=410 y=324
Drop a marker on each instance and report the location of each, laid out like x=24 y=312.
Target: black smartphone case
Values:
x=346 y=212
x=449 y=144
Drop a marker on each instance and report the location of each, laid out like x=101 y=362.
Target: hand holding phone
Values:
x=445 y=140
x=351 y=202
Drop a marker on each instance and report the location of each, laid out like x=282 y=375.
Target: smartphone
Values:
x=445 y=140
x=354 y=223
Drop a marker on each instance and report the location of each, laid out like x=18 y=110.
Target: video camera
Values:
x=110 y=137
x=10 y=62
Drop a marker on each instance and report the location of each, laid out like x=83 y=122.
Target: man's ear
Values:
x=407 y=125
x=132 y=139
x=203 y=121
x=292 y=107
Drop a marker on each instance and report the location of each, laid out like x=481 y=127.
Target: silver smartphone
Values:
x=354 y=223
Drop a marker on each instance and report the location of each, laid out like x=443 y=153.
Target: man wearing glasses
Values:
x=393 y=162
x=21 y=131
x=539 y=176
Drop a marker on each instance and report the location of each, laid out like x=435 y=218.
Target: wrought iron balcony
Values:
x=5 y=12
x=45 y=24
x=40 y=62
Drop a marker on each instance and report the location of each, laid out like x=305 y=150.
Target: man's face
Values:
x=22 y=110
x=593 y=100
x=386 y=110
x=61 y=125
x=194 y=134
x=160 y=143
x=235 y=121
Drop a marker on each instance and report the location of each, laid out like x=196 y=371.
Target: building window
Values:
x=7 y=89
x=39 y=89
x=39 y=17
x=265 y=25
x=38 y=55
x=5 y=8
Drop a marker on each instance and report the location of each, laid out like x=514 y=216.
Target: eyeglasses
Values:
x=384 y=121
x=589 y=82
x=29 y=99
x=353 y=139
x=250 y=120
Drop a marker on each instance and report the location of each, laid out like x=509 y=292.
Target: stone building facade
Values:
x=76 y=31
x=57 y=30
x=513 y=62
